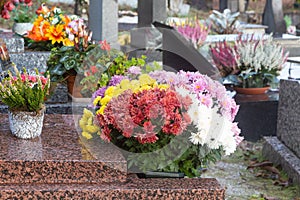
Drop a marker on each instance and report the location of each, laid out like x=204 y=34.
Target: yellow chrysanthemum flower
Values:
x=125 y=84
x=97 y=100
x=145 y=79
x=110 y=90
x=101 y=110
x=105 y=100
x=135 y=84
x=92 y=128
x=163 y=86
x=86 y=135
x=145 y=87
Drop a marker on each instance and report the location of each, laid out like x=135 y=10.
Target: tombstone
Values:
x=180 y=54
x=223 y=5
x=103 y=21
x=147 y=37
x=284 y=149
x=273 y=17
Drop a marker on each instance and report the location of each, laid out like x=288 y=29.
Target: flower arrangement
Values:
x=24 y=92
x=165 y=121
x=50 y=29
x=250 y=62
x=68 y=59
x=19 y=9
x=193 y=30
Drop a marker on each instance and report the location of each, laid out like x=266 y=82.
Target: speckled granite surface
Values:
x=197 y=189
x=14 y=44
x=58 y=166
x=280 y=154
x=55 y=157
x=31 y=60
x=288 y=126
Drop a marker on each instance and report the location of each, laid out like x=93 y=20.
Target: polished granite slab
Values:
x=61 y=165
x=196 y=188
x=57 y=156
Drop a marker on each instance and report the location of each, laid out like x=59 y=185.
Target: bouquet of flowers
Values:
x=50 y=29
x=24 y=92
x=68 y=59
x=166 y=121
x=20 y=10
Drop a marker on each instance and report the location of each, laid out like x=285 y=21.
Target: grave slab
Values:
x=60 y=165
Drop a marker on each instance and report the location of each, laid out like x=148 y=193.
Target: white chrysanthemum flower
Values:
x=198 y=138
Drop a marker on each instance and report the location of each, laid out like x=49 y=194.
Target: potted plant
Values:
x=250 y=62
x=67 y=62
x=25 y=95
x=22 y=13
x=165 y=121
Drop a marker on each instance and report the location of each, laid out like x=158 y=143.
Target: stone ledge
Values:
x=280 y=154
x=197 y=188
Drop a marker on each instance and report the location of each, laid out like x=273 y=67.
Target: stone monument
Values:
x=284 y=149
x=103 y=21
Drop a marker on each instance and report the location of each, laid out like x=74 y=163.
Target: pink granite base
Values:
x=199 y=189
x=58 y=166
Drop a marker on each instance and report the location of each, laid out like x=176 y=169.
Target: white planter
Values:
x=21 y=28
x=26 y=125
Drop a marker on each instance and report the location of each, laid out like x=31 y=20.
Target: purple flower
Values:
x=100 y=92
x=116 y=79
x=134 y=70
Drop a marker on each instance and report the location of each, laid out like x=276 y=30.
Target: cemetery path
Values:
x=254 y=183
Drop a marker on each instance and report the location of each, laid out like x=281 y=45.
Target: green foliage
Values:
x=66 y=60
x=24 y=92
x=168 y=154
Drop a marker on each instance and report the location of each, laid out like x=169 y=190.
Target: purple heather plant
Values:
x=224 y=57
x=194 y=31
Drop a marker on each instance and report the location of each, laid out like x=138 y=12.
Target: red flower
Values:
x=105 y=45
x=9 y=6
x=93 y=69
x=5 y=14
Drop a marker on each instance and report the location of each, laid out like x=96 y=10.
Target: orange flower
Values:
x=66 y=20
x=38 y=20
x=56 y=34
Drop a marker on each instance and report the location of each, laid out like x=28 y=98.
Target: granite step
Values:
x=57 y=156
x=134 y=188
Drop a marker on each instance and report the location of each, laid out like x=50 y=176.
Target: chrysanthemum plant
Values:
x=24 y=92
x=165 y=121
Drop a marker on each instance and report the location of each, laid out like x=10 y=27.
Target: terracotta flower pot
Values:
x=251 y=91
